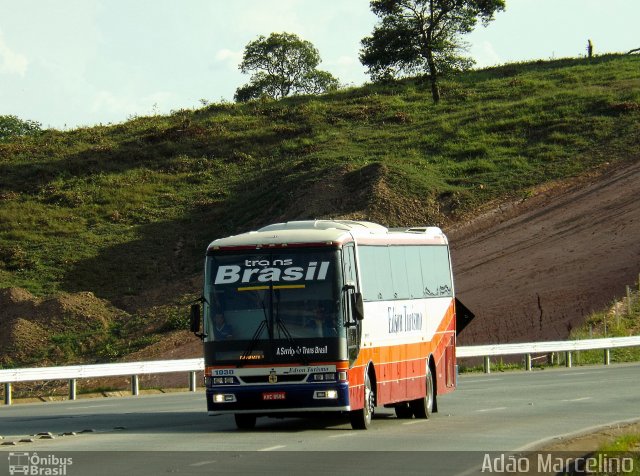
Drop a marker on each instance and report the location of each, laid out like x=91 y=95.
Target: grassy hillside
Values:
x=125 y=211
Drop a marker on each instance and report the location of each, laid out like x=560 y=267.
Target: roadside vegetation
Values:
x=625 y=447
x=125 y=211
x=620 y=320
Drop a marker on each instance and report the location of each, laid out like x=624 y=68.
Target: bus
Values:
x=328 y=316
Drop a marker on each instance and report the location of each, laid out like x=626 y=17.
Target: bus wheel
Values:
x=422 y=407
x=403 y=410
x=245 y=421
x=361 y=419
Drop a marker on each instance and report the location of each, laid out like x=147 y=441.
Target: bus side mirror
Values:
x=194 y=318
x=357 y=306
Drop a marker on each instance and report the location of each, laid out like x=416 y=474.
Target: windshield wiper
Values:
x=256 y=335
x=282 y=328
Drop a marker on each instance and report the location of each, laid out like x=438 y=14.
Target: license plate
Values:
x=273 y=396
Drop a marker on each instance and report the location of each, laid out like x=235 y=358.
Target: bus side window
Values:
x=349 y=255
x=350 y=277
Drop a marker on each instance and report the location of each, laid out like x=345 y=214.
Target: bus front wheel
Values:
x=422 y=407
x=361 y=419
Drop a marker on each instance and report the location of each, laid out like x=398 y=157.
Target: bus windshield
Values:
x=272 y=295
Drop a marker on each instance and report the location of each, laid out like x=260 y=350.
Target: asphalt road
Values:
x=499 y=413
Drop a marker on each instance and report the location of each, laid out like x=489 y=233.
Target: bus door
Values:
x=351 y=279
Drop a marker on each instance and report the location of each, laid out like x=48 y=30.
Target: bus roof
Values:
x=327 y=232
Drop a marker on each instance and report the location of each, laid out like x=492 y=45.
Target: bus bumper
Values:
x=278 y=398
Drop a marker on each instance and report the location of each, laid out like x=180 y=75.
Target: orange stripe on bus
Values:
x=400 y=370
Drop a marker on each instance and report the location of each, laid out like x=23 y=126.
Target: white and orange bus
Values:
x=328 y=315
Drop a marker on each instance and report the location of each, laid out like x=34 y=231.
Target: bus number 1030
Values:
x=222 y=372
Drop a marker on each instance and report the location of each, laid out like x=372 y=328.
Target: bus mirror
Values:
x=195 y=318
x=357 y=306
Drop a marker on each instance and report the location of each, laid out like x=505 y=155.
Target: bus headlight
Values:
x=224 y=398
x=325 y=394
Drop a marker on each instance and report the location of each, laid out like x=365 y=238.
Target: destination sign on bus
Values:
x=264 y=271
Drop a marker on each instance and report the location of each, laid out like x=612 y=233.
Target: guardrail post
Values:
x=7 y=393
x=527 y=362
x=192 y=381
x=487 y=365
x=72 y=389
x=567 y=358
x=607 y=356
x=135 y=385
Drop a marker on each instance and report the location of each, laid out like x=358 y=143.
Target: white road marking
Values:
x=92 y=406
x=341 y=436
x=462 y=381
x=491 y=409
x=271 y=448
x=203 y=463
x=413 y=422
x=581 y=399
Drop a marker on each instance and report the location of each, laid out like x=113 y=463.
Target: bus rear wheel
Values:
x=245 y=421
x=423 y=407
x=361 y=419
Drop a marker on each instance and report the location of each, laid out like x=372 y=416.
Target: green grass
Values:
x=620 y=320
x=626 y=447
x=497 y=365
x=125 y=208
x=624 y=443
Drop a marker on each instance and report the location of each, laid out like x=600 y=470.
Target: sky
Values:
x=78 y=63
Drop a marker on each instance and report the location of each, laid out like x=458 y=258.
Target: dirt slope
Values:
x=533 y=270
x=44 y=331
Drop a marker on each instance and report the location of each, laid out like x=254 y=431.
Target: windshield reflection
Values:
x=272 y=295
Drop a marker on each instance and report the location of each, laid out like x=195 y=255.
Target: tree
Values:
x=12 y=126
x=283 y=65
x=423 y=36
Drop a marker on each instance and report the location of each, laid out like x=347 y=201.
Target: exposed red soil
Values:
x=28 y=322
x=534 y=270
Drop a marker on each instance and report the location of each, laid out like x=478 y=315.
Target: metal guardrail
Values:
x=100 y=370
x=545 y=347
x=135 y=369
x=529 y=348
x=74 y=372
